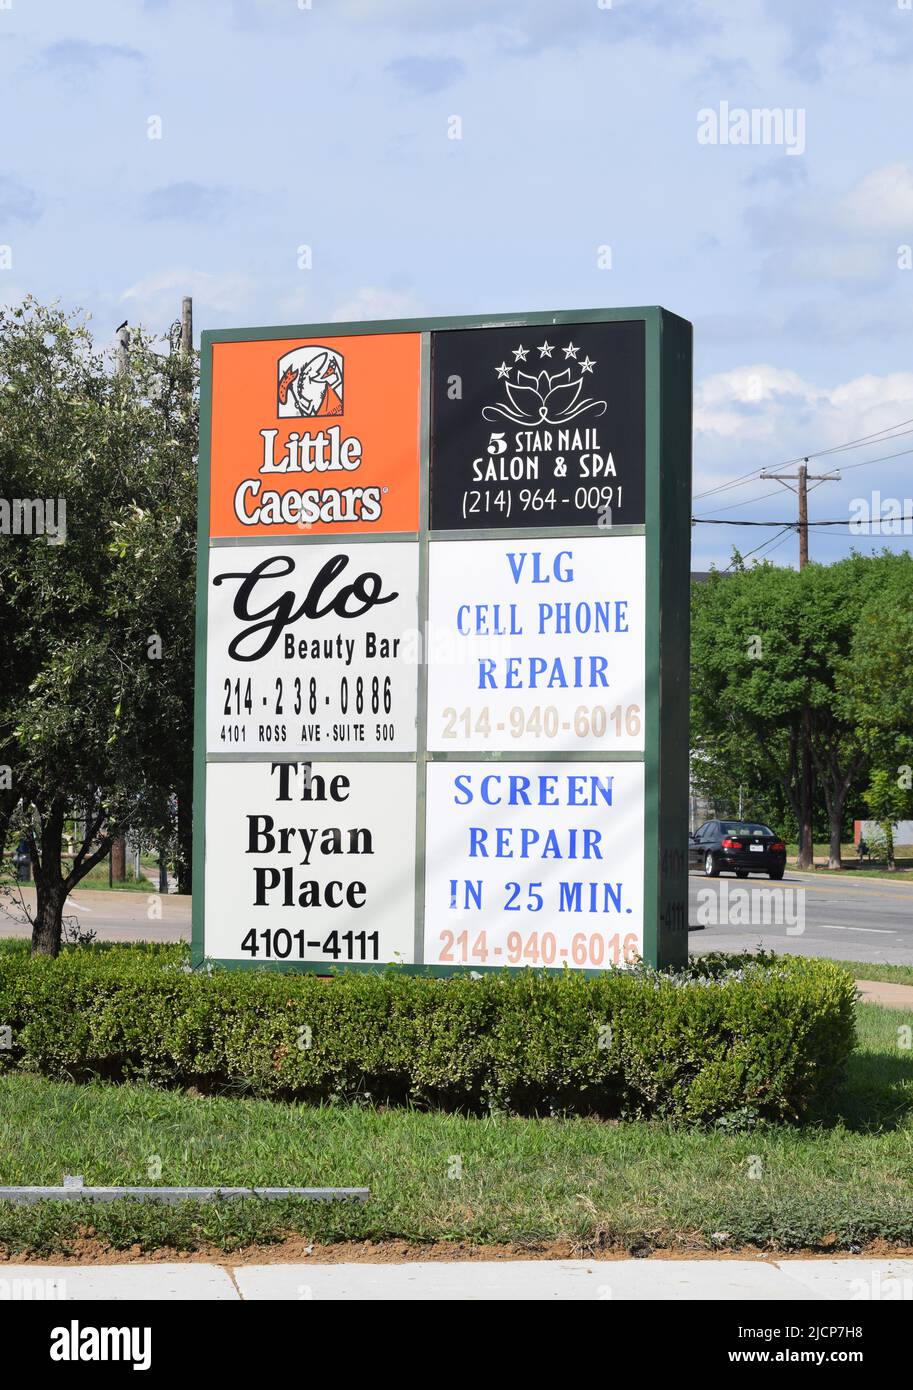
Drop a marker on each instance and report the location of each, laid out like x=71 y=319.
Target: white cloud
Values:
x=156 y=301
x=848 y=239
x=747 y=398
x=371 y=302
x=759 y=416
x=881 y=203
x=876 y=399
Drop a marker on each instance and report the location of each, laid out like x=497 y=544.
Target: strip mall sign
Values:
x=442 y=656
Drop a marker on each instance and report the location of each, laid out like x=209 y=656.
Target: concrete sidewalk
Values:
x=889 y=996
x=473 y=1281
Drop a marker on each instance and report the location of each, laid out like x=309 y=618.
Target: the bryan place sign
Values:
x=442 y=655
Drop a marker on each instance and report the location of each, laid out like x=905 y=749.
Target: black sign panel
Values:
x=538 y=426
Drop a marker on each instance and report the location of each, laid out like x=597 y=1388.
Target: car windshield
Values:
x=744 y=827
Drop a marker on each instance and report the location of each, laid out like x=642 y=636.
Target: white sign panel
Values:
x=310 y=862
x=534 y=863
x=312 y=647
x=536 y=644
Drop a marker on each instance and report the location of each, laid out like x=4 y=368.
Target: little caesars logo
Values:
x=310 y=385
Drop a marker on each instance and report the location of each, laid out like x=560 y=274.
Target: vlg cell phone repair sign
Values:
x=442 y=655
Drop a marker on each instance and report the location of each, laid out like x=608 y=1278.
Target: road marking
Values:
x=813 y=885
x=831 y=926
x=860 y=884
x=71 y=902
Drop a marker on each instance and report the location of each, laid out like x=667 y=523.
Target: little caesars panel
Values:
x=443 y=644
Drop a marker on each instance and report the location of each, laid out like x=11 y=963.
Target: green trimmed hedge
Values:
x=765 y=1039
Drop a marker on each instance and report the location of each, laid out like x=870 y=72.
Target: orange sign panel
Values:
x=315 y=435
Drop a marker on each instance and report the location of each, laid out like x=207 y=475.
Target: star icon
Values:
x=503 y=370
x=521 y=353
x=587 y=365
x=571 y=351
x=546 y=349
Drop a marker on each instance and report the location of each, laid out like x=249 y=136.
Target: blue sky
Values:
x=327 y=126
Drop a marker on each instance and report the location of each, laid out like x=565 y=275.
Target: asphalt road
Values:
x=853 y=919
x=115 y=916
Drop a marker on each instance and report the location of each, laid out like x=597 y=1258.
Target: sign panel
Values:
x=535 y=863
x=310 y=862
x=536 y=644
x=312 y=647
x=538 y=426
x=315 y=434
x=442 y=647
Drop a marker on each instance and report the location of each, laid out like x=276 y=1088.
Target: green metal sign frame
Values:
x=667 y=529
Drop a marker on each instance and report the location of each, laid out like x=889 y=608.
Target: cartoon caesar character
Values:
x=313 y=386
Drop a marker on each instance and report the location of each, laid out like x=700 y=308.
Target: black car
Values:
x=741 y=847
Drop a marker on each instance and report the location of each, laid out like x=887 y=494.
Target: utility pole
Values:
x=802 y=478
x=803 y=515
x=186 y=325
x=123 y=347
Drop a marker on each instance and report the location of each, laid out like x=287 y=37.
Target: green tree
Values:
x=889 y=799
x=877 y=692
x=834 y=597
x=96 y=632
x=772 y=656
x=747 y=682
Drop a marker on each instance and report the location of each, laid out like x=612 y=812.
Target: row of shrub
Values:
x=765 y=1039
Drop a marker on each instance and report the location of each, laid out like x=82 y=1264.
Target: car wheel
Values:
x=711 y=869
x=776 y=873
x=741 y=873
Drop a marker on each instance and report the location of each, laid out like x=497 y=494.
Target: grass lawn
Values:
x=891 y=974
x=903 y=855
x=97 y=878
x=839 y=1182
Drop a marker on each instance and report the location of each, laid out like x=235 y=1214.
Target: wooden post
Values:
x=187 y=325
x=119 y=859
x=123 y=347
x=803 y=514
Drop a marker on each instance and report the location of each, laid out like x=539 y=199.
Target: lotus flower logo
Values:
x=545 y=398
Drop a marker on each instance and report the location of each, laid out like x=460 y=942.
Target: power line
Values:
x=862 y=463
x=788 y=525
x=881 y=459
x=775 y=545
x=844 y=522
x=740 y=481
x=748 y=501
x=879 y=436
x=770 y=542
